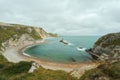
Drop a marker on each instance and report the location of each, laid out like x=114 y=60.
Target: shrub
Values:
x=18 y=68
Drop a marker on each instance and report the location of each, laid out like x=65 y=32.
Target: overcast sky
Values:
x=65 y=17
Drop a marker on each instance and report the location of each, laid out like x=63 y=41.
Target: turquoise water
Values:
x=56 y=51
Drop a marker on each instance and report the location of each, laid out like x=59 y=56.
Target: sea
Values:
x=71 y=50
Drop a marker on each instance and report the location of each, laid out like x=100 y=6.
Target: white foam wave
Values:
x=26 y=54
x=70 y=44
x=81 y=49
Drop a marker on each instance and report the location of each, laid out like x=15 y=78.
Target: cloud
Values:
x=65 y=17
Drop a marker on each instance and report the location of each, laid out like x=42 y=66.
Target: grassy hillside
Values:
x=19 y=71
x=15 y=31
x=103 y=72
x=7 y=32
x=109 y=39
x=107 y=45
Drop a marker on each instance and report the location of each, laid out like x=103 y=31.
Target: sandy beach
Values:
x=15 y=54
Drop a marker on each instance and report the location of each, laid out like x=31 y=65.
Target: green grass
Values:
x=7 y=32
x=112 y=71
x=13 y=71
x=46 y=74
x=92 y=74
x=3 y=62
x=35 y=35
x=53 y=34
x=109 y=39
x=18 y=68
x=19 y=71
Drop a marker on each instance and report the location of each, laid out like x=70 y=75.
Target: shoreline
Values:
x=16 y=54
x=27 y=55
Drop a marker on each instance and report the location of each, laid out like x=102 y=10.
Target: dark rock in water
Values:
x=72 y=59
x=63 y=41
x=81 y=47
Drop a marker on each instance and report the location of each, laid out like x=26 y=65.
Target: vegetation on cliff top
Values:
x=19 y=71
x=15 y=31
x=103 y=72
x=53 y=34
x=109 y=39
x=110 y=70
x=7 y=32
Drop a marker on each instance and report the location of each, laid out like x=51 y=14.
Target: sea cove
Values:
x=55 y=51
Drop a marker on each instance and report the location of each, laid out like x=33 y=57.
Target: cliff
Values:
x=107 y=47
x=106 y=50
x=19 y=33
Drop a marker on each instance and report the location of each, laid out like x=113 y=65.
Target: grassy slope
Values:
x=109 y=39
x=111 y=71
x=8 y=32
x=19 y=71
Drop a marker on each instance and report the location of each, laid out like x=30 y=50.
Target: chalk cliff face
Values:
x=41 y=32
x=108 y=46
x=16 y=33
x=21 y=29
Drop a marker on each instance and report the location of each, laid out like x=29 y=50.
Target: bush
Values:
x=92 y=74
x=18 y=68
x=112 y=70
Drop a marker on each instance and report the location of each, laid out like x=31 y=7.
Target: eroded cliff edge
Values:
x=17 y=33
x=106 y=51
x=107 y=47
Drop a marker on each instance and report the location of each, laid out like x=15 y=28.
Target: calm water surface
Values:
x=56 y=51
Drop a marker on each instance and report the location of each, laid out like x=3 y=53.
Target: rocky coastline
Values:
x=106 y=48
x=12 y=49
